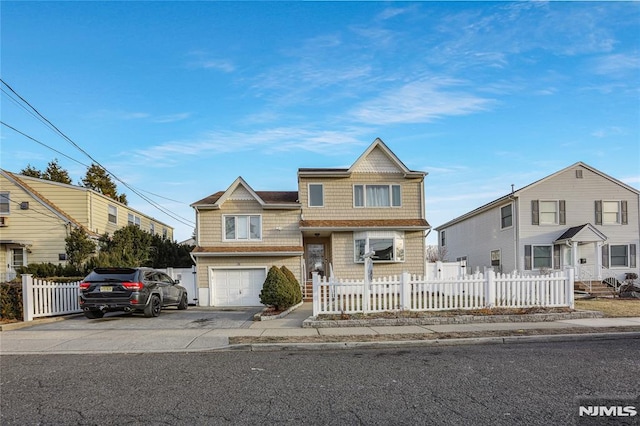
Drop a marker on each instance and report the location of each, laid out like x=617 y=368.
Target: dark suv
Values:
x=129 y=289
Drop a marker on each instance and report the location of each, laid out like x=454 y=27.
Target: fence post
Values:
x=570 y=274
x=315 y=279
x=490 y=289
x=405 y=291
x=27 y=297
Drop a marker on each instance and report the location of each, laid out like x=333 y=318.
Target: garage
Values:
x=237 y=287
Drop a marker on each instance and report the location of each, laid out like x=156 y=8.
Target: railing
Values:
x=584 y=276
x=42 y=298
x=414 y=293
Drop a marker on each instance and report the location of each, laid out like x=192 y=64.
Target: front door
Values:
x=316 y=260
x=16 y=260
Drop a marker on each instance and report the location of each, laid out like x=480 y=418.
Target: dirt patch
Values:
x=428 y=336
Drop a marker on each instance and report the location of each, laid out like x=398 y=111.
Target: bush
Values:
x=295 y=285
x=276 y=290
x=11 y=301
x=47 y=270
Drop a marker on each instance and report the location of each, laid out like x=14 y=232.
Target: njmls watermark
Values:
x=607 y=410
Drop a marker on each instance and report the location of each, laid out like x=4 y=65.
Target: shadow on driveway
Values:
x=169 y=318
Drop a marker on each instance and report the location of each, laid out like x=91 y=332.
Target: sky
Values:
x=178 y=99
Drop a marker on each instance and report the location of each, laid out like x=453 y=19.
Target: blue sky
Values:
x=180 y=98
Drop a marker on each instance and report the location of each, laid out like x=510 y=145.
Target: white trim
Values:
x=556 y=220
x=364 y=195
x=503 y=228
x=212 y=269
x=618 y=215
x=397 y=238
x=321 y=185
x=236 y=215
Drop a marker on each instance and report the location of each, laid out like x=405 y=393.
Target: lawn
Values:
x=611 y=307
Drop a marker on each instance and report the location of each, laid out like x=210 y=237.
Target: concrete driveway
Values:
x=169 y=318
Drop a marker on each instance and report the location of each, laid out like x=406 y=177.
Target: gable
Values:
x=241 y=194
x=377 y=161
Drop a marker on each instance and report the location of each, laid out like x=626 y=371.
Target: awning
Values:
x=586 y=233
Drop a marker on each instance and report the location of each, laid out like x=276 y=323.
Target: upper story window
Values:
x=611 y=213
x=164 y=233
x=443 y=239
x=377 y=196
x=5 y=200
x=387 y=246
x=242 y=228
x=316 y=195
x=506 y=216
x=133 y=220
x=113 y=214
x=544 y=212
x=152 y=229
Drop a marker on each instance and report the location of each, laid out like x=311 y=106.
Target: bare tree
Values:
x=436 y=253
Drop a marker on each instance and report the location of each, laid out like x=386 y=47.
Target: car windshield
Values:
x=122 y=275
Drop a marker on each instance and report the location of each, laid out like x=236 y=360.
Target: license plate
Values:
x=106 y=288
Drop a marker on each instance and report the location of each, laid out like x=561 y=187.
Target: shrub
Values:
x=11 y=301
x=276 y=290
x=295 y=285
x=47 y=270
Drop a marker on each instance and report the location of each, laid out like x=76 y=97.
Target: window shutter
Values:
x=562 y=215
x=632 y=256
x=599 y=212
x=527 y=257
x=624 y=215
x=535 y=212
x=556 y=257
x=605 y=255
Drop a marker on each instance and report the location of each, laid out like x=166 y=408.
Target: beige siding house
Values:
x=326 y=225
x=36 y=216
x=578 y=217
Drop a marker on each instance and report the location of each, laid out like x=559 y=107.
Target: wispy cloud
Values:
x=420 y=102
x=172 y=118
x=609 y=131
x=204 y=60
x=618 y=64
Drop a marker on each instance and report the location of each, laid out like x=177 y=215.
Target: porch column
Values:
x=599 y=260
x=574 y=257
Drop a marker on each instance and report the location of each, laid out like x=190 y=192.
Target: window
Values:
x=164 y=233
x=113 y=214
x=133 y=220
x=506 y=216
x=5 y=199
x=152 y=229
x=387 y=246
x=619 y=256
x=377 y=196
x=611 y=213
x=242 y=228
x=548 y=212
x=316 y=195
x=495 y=257
x=542 y=257
x=442 y=239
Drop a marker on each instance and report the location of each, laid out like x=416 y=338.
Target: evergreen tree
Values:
x=99 y=180
x=31 y=172
x=56 y=173
x=79 y=247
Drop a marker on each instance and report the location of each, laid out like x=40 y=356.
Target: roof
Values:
x=268 y=199
x=378 y=144
x=365 y=224
x=517 y=193
x=45 y=202
x=581 y=233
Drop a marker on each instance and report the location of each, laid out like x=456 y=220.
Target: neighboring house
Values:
x=578 y=217
x=36 y=216
x=325 y=226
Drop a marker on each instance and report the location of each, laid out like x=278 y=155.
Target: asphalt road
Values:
x=532 y=384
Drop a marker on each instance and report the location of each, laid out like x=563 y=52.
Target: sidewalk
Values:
x=288 y=333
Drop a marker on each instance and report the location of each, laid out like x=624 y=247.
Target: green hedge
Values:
x=11 y=301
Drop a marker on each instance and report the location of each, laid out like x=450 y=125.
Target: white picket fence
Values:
x=42 y=298
x=414 y=293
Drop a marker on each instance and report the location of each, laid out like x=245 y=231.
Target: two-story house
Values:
x=323 y=227
x=36 y=216
x=577 y=217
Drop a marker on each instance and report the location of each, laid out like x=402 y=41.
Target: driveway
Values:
x=170 y=318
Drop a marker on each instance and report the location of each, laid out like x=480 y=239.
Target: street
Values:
x=533 y=383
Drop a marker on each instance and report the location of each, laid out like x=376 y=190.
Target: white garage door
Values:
x=237 y=287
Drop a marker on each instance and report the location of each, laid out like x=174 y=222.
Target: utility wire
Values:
x=77 y=161
x=68 y=139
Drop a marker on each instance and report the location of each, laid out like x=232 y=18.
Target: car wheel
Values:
x=183 y=303
x=94 y=314
x=153 y=308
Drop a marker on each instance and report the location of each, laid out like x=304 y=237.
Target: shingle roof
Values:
x=269 y=197
x=248 y=249
x=366 y=223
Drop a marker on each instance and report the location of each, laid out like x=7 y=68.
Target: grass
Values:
x=611 y=308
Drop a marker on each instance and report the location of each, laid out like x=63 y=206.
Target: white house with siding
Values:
x=578 y=217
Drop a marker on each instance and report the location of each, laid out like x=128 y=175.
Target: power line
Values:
x=68 y=139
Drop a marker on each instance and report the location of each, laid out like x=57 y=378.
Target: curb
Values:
x=264 y=347
x=260 y=317
x=22 y=324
